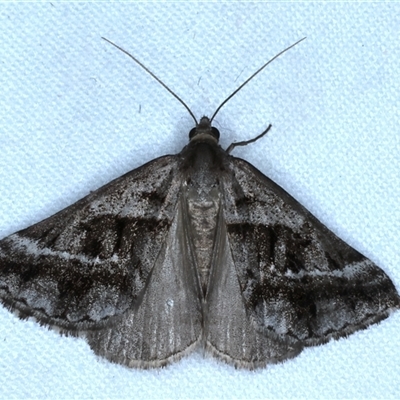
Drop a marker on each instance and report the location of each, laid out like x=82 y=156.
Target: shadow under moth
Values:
x=193 y=250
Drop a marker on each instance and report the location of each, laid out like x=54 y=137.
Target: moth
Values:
x=193 y=250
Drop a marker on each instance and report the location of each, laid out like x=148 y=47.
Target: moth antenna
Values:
x=252 y=76
x=155 y=77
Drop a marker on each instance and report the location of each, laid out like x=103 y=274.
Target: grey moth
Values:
x=193 y=250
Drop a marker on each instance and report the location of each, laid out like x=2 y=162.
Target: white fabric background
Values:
x=75 y=113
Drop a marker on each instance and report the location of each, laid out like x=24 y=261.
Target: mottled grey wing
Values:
x=294 y=282
x=230 y=331
x=167 y=322
x=89 y=263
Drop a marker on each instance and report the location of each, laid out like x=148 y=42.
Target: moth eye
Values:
x=192 y=133
x=215 y=132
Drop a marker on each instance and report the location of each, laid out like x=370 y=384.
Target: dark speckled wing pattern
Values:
x=89 y=262
x=194 y=250
x=281 y=280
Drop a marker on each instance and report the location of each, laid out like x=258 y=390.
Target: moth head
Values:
x=204 y=131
